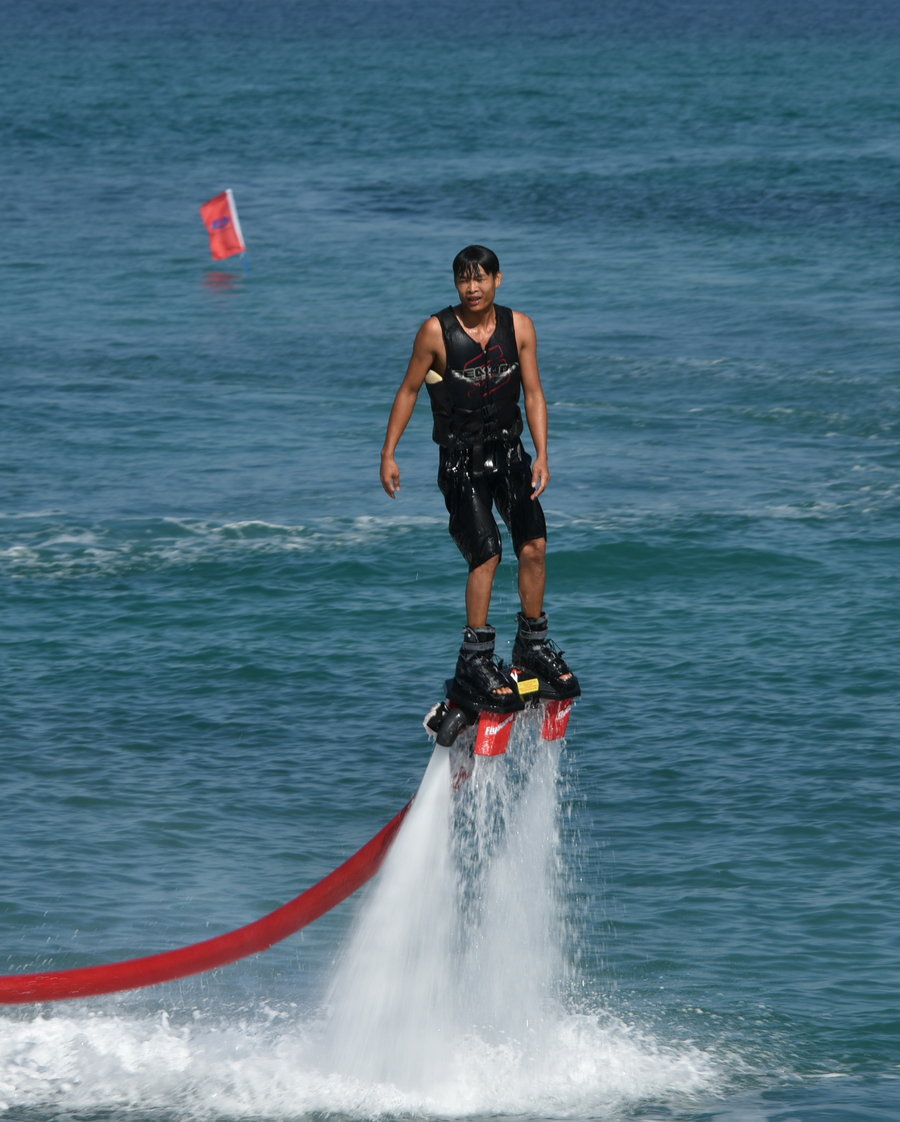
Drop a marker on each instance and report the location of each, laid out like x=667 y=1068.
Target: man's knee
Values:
x=487 y=567
x=533 y=552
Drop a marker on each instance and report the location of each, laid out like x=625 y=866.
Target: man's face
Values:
x=477 y=289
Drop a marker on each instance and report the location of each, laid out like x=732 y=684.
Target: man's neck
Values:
x=476 y=321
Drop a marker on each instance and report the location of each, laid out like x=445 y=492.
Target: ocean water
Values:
x=219 y=637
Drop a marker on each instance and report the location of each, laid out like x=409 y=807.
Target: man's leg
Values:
x=479 y=587
x=475 y=532
x=533 y=576
x=531 y=650
x=476 y=656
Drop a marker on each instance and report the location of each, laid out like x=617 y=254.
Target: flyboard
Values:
x=494 y=719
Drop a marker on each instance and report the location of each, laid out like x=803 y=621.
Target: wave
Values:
x=56 y=545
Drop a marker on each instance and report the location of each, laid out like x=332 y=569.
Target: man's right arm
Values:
x=427 y=354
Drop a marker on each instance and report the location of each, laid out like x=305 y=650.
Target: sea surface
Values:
x=219 y=637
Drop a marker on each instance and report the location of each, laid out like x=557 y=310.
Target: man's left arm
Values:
x=535 y=402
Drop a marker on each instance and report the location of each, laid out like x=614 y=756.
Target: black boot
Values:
x=535 y=652
x=479 y=682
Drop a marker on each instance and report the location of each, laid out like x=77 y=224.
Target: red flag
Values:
x=220 y=217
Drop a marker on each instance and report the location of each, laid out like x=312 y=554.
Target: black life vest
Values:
x=477 y=399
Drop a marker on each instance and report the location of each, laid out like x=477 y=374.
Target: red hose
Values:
x=87 y=981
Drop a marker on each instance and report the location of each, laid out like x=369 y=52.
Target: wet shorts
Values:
x=470 y=499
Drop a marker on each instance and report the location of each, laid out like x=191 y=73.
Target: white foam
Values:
x=236 y=1067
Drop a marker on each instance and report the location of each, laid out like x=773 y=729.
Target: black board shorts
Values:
x=471 y=497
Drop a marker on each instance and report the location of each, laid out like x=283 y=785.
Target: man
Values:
x=476 y=359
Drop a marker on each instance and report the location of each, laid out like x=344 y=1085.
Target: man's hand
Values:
x=390 y=475
x=540 y=476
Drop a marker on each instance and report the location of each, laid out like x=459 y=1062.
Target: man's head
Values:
x=473 y=260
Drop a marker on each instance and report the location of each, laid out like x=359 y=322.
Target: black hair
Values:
x=474 y=257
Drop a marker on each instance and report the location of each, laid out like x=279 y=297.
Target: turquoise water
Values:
x=219 y=637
